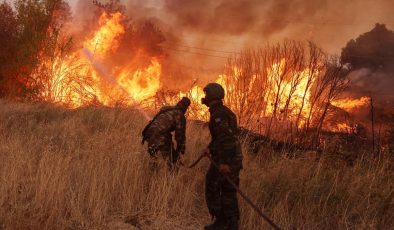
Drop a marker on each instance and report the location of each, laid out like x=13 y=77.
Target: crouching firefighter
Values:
x=226 y=156
x=158 y=132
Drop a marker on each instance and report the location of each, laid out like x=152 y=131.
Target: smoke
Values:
x=201 y=34
x=241 y=16
x=366 y=81
x=373 y=50
x=255 y=22
x=371 y=55
x=225 y=26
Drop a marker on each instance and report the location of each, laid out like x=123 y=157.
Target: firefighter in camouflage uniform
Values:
x=158 y=133
x=225 y=151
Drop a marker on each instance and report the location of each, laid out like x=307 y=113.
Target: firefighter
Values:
x=225 y=151
x=158 y=133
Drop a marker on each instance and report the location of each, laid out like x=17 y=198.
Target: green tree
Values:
x=8 y=35
x=35 y=28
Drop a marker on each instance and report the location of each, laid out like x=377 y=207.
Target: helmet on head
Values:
x=183 y=103
x=214 y=91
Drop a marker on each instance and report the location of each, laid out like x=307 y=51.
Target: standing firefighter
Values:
x=225 y=151
x=158 y=133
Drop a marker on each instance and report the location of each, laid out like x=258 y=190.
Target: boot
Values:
x=232 y=223
x=219 y=224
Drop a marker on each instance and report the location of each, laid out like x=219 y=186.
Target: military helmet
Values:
x=184 y=102
x=214 y=91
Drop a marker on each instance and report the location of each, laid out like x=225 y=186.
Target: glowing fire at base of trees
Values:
x=275 y=89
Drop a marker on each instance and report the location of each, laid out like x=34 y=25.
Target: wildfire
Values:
x=143 y=83
x=83 y=77
x=89 y=75
x=299 y=94
x=105 y=39
x=349 y=104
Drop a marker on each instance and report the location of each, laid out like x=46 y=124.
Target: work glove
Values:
x=152 y=150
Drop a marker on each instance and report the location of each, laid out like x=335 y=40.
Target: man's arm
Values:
x=225 y=139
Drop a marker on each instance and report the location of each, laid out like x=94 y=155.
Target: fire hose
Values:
x=240 y=192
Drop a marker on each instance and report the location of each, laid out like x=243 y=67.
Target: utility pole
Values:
x=372 y=123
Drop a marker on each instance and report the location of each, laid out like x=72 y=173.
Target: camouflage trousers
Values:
x=220 y=195
x=165 y=151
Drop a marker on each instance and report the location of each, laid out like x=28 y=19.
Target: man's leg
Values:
x=174 y=157
x=229 y=201
x=212 y=198
x=167 y=153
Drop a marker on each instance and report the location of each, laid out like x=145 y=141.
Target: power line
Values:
x=205 y=49
x=202 y=54
x=322 y=21
x=240 y=52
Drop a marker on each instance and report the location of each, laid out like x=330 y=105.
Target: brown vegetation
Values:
x=85 y=168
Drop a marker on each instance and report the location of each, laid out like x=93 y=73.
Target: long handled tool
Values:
x=197 y=161
x=241 y=193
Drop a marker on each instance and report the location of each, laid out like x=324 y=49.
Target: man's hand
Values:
x=224 y=168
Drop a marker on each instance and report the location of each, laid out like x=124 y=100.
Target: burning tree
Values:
x=283 y=89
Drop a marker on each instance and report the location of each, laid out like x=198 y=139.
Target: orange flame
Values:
x=82 y=78
x=105 y=40
x=349 y=104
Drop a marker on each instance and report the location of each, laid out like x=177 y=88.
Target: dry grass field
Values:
x=86 y=169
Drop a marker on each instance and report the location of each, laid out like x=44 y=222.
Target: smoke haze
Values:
x=200 y=34
x=329 y=23
x=233 y=25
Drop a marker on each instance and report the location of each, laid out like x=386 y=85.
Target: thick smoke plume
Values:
x=373 y=50
x=371 y=55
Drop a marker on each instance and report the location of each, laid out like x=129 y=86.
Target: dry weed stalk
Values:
x=85 y=168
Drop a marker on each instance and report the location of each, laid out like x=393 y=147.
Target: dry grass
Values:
x=86 y=169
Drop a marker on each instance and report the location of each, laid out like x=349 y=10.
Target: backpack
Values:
x=144 y=131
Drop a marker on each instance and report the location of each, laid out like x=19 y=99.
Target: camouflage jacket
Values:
x=224 y=146
x=168 y=120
